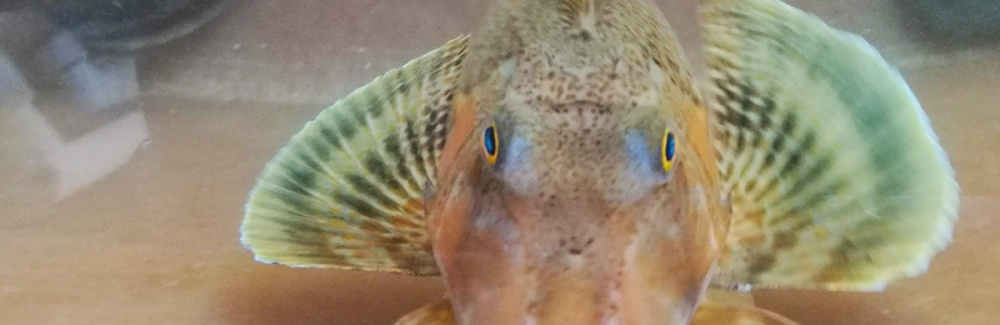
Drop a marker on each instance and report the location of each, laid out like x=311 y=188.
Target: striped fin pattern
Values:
x=835 y=177
x=347 y=191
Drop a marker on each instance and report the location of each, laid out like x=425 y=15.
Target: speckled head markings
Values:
x=561 y=168
x=577 y=221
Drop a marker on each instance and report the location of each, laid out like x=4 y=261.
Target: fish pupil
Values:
x=669 y=147
x=489 y=141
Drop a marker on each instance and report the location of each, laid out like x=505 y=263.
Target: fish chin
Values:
x=523 y=260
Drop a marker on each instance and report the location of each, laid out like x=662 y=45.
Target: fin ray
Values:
x=836 y=178
x=346 y=190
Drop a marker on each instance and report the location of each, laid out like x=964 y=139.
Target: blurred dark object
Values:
x=128 y=25
x=11 y=5
x=961 y=21
x=80 y=51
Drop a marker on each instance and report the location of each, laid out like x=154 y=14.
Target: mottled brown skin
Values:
x=577 y=222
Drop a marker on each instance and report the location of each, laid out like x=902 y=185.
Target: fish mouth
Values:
x=517 y=260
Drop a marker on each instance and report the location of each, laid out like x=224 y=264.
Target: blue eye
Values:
x=490 y=144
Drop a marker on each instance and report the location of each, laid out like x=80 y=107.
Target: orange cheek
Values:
x=461 y=129
x=450 y=204
x=448 y=209
x=666 y=267
x=484 y=285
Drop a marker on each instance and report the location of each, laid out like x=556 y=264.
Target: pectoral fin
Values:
x=347 y=191
x=836 y=179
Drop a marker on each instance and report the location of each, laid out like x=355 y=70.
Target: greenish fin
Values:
x=711 y=313
x=836 y=179
x=438 y=313
x=346 y=192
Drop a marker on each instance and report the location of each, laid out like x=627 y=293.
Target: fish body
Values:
x=575 y=223
x=562 y=168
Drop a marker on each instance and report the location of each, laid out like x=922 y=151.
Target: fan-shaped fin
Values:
x=347 y=191
x=836 y=179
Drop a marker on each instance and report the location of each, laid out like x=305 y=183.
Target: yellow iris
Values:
x=667 y=151
x=491 y=144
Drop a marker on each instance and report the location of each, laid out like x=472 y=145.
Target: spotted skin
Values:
x=796 y=172
x=574 y=89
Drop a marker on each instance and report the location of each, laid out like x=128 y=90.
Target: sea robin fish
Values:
x=562 y=168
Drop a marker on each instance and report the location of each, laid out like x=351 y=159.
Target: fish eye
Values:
x=667 y=151
x=491 y=143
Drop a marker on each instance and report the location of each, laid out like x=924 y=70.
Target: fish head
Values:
x=576 y=212
x=573 y=186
